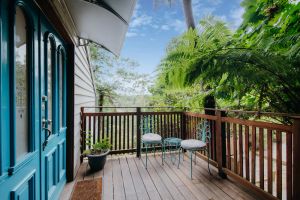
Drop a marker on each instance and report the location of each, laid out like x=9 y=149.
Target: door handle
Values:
x=44 y=98
x=47 y=136
x=46 y=122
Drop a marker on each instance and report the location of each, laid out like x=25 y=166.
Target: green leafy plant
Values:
x=99 y=147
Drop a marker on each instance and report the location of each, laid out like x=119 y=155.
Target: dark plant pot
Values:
x=97 y=162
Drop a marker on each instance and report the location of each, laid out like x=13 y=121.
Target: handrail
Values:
x=261 y=113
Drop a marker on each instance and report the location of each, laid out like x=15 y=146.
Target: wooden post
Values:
x=220 y=147
x=296 y=158
x=138 y=132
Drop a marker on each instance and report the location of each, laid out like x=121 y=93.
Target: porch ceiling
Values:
x=104 y=22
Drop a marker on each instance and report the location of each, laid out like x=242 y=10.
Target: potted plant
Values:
x=97 y=154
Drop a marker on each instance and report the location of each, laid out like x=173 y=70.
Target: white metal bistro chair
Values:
x=202 y=141
x=149 y=138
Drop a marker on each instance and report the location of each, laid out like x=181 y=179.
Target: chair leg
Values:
x=208 y=155
x=162 y=155
x=154 y=149
x=146 y=154
x=178 y=158
x=172 y=155
x=191 y=157
x=141 y=151
x=195 y=158
x=163 y=150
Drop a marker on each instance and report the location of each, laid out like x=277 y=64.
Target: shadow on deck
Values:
x=125 y=177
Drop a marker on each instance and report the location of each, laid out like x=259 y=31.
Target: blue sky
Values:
x=153 y=26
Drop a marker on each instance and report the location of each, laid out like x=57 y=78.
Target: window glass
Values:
x=21 y=73
x=49 y=83
x=61 y=90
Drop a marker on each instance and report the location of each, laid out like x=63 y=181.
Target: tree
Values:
x=116 y=77
x=256 y=68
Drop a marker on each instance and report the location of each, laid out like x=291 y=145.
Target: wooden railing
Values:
x=260 y=155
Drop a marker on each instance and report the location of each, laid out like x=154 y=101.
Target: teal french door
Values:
x=33 y=104
x=53 y=112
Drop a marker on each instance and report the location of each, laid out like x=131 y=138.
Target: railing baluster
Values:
x=128 y=133
x=247 y=151
x=289 y=166
x=241 y=153
x=261 y=158
x=132 y=131
x=107 y=129
x=279 y=164
x=120 y=132
x=178 y=126
x=124 y=131
x=228 y=136
x=99 y=127
x=171 y=124
x=213 y=140
x=154 y=124
x=103 y=122
x=253 y=155
x=160 y=125
x=112 y=132
x=89 y=131
x=138 y=132
x=234 y=148
x=166 y=126
x=94 y=129
x=270 y=161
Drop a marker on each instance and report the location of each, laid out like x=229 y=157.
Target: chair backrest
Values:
x=147 y=124
x=203 y=131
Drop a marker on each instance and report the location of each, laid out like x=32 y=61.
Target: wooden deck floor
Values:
x=125 y=177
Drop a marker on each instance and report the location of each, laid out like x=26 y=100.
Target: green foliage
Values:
x=99 y=147
x=116 y=77
x=254 y=68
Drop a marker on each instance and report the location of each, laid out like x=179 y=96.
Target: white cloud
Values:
x=222 y=17
x=165 y=27
x=131 y=34
x=155 y=26
x=200 y=9
x=141 y=21
x=215 y=2
x=178 y=25
x=237 y=17
x=139 y=18
x=136 y=10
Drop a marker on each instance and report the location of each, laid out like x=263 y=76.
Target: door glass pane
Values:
x=21 y=85
x=49 y=82
x=61 y=65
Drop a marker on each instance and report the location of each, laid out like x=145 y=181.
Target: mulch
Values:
x=88 y=190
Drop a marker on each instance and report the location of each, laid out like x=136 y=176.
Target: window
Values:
x=22 y=86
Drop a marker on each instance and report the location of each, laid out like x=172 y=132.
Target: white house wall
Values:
x=84 y=92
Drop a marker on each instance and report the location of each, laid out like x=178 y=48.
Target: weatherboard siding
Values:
x=84 y=92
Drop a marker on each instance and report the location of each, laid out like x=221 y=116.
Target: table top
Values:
x=172 y=140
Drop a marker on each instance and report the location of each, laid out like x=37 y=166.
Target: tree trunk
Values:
x=101 y=101
x=188 y=13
